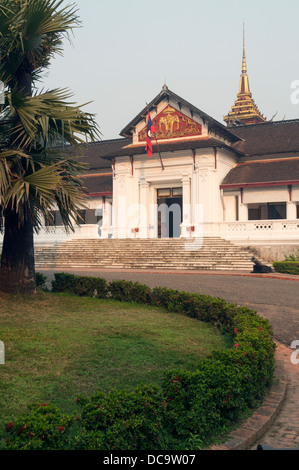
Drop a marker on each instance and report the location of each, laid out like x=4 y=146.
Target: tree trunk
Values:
x=17 y=273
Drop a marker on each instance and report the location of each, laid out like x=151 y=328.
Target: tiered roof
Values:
x=244 y=111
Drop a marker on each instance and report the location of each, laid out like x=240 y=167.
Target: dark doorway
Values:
x=169 y=212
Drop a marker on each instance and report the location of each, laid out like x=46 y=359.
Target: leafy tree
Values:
x=36 y=174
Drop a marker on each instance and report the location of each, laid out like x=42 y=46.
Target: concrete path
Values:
x=275 y=297
x=284 y=431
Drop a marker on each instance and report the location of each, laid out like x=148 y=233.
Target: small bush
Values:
x=123 y=420
x=205 y=401
x=43 y=427
x=41 y=281
x=127 y=291
x=292 y=257
x=80 y=285
x=287 y=267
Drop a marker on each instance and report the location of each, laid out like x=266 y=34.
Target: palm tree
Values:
x=35 y=174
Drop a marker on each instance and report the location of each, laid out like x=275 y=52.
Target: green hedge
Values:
x=80 y=285
x=188 y=410
x=41 y=280
x=288 y=267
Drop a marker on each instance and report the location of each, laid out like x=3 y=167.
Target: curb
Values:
x=280 y=276
x=255 y=427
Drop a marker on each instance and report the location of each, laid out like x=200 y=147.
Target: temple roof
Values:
x=244 y=110
x=213 y=125
x=170 y=146
x=93 y=153
x=269 y=138
x=263 y=173
x=99 y=184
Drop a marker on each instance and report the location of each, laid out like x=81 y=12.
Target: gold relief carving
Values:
x=170 y=124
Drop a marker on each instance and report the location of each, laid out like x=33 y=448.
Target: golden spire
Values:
x=244 y=88
x=244 y=110
x=244 y=66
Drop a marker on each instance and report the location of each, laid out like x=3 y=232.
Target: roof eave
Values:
x=213 y=124
x=258 y=184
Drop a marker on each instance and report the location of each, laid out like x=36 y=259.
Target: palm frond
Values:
x=8 y=159
x=35 y=176
x=31 y=32
x=48 y=116
x=39 y=185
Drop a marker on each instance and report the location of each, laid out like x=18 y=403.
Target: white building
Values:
x=239 y=181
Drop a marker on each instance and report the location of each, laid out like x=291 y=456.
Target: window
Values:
x=164 y=192
x=269 y=211
x=170 y=192
x=81 y=217
x=52 y=219
x=177 y=192
x=297 y=211
x=91 y=217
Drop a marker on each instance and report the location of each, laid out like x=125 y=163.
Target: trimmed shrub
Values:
x=192 y=407
x=43 y=427
x=205 y=401
x=80 y=285
x=123 y=420
x=41 y=281
x=287 y=267
x=127 y=291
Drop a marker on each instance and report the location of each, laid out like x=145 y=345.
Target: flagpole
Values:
x=161 y=161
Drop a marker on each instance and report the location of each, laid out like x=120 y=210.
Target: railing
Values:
x=271 y=230
x=59 y=234
x=261 y=229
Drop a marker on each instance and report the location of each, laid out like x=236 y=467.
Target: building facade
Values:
x=238 y=180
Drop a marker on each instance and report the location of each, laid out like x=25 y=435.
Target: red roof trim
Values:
x=258 y=185
x=108 y=193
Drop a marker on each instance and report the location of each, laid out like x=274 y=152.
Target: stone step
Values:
x=145 y=261
x=157 y=261
x=148 y=253
x=215 y=253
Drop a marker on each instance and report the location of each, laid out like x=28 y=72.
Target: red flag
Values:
x=149 y=130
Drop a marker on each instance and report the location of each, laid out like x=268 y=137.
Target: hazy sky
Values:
x=126 y=50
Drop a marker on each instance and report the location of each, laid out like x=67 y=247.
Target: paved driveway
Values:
x=273 y=298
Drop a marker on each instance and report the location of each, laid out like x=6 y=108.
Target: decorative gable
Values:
x=170 y=124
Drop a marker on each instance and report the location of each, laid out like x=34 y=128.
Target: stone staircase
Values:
x=213 y=253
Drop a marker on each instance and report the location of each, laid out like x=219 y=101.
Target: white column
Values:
x=243 y=209
x=291 y=210
x=196 y=207
x=153 y=213
x=186 y=183
x=143 y=214
x=106 y=228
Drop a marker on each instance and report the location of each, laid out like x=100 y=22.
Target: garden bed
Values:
x=188 y=410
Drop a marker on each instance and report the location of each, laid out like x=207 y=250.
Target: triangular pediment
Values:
x=171 y=124
x=174 y=118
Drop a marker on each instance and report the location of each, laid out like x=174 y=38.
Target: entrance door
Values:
x=169 y=212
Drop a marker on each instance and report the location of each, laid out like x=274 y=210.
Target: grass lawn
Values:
x=59 y=346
